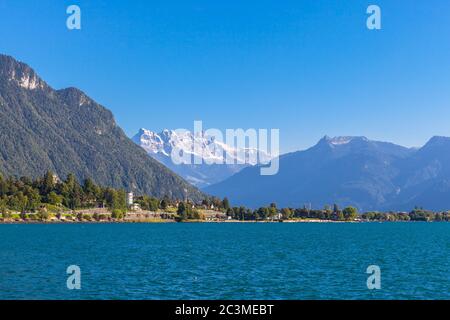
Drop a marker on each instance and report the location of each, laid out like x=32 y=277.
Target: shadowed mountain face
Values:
x=65 y=131
x=350 y=171
x=425 y=176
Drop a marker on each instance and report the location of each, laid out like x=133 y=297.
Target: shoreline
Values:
x=217 y=222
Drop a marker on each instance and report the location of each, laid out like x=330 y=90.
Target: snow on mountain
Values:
x=212 y=154
x=336 y=141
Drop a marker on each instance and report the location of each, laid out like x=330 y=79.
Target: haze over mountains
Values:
x=354 y=171
x=160 y=146
x=67 y=132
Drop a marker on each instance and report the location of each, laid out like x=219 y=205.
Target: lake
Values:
x=225 y=260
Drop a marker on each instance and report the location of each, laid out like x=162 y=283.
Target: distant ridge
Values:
x=354 y=171
x=67 y=132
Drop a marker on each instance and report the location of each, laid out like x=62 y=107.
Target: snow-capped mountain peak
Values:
x=214 y=155
x=199 y=145
x=342 y=140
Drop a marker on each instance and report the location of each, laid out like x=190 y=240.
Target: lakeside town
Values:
x=49 y=199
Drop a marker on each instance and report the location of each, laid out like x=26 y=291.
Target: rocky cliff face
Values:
x=67 y=132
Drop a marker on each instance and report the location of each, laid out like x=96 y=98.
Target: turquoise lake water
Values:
x=225 y=261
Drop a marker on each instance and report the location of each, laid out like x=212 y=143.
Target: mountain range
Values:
x=67 y=132
x=160 y=146
x=356 y=171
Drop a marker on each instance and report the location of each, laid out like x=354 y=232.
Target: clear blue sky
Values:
x=309 y=68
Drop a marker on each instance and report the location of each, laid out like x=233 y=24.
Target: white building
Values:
x=130 y=199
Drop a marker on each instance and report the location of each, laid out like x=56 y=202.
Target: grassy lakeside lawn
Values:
x=53 y=214
x=103 y=215
x=58 y=214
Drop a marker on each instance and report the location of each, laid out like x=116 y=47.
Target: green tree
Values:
x=116 y=199
x=42 y=214
x=19 y=202
x=350 y=213
x=225 y=204
x=55 y=199
x=48 y=183
x=272 y=210
x=163 y=205
x=33 y=199
x=72 y=192
x=263 y=213
x=286 y=213
x=182 y=211
x=91 y=192
x=117 y=214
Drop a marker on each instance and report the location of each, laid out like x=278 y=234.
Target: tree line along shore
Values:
x=49 y=199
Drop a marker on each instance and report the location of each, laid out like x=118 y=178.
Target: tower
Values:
x=130 y=199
